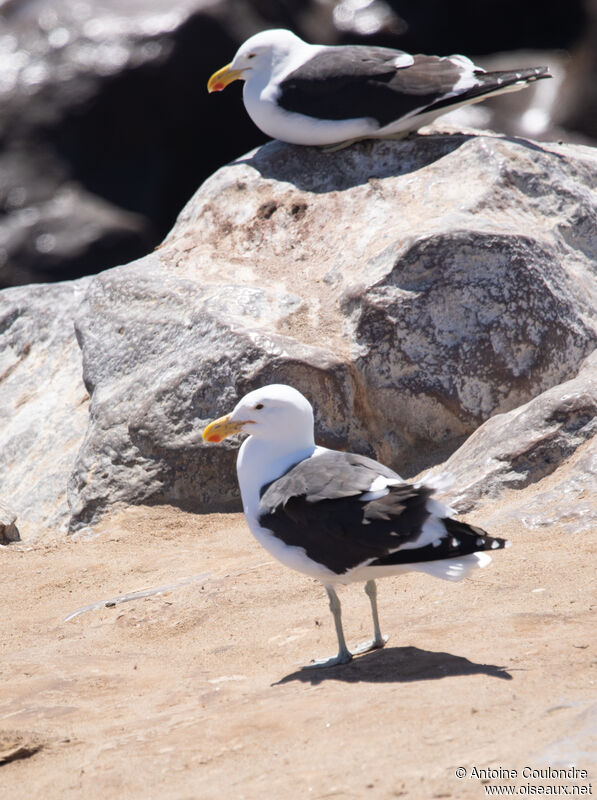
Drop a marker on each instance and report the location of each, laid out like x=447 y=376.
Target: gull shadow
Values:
x=397 y=665
x=312 y=169
x=529 y=144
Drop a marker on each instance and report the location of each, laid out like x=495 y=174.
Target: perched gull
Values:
x=317 y=95
x=339 y=517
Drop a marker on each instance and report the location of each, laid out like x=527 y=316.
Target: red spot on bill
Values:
x=215 y=438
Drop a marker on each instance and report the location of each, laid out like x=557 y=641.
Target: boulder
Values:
x=162 y=356
x=408 y=303
x=413 y=290
x=569 y=500
x=43 y=402
x=556 y=431
x=454 y=272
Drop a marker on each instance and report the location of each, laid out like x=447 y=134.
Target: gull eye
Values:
x=259 y=406
x=251 y=55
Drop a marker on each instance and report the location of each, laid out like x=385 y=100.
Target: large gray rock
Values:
x=43 y=402
x=409 y=304
x=456 y=273
x=524 y=446
x=164 y=355
x=571 y=498
x=411 y=289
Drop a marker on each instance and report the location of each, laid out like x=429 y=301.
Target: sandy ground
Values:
x=198 y=692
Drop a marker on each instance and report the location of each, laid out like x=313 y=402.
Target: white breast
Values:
x=260 y=95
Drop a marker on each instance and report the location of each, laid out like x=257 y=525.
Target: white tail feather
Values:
x=453 y=569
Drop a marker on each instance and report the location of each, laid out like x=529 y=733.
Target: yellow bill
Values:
x=220 y=79
x=221 y=428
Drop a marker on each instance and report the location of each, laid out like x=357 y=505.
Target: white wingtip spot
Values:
x=463 y=61
x=378 y=484
x=366 y=497
x=378 y=488
x=403 y=60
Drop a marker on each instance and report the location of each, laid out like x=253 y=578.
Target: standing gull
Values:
x=317 y=95
x=339 y=517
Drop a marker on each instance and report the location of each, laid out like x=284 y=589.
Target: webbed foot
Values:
x=372 y=644
x=334 y=661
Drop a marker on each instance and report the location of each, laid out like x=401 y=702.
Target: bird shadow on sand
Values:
x=397 y=665
x=363 y=161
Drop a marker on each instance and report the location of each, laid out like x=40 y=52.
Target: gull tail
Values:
x=469 y=546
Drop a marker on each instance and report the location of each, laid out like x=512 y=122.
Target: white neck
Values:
x=261 y=461
x=262 y=85
x=283 y=67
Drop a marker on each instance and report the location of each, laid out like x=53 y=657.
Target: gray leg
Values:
x=378 y=640
x=344 y=655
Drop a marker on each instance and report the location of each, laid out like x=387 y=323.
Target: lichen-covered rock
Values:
x=571 y=499
x=465 y=325
x=526 y=445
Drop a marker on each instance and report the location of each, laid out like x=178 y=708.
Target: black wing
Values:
x=317 y=505
x=356 y=81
